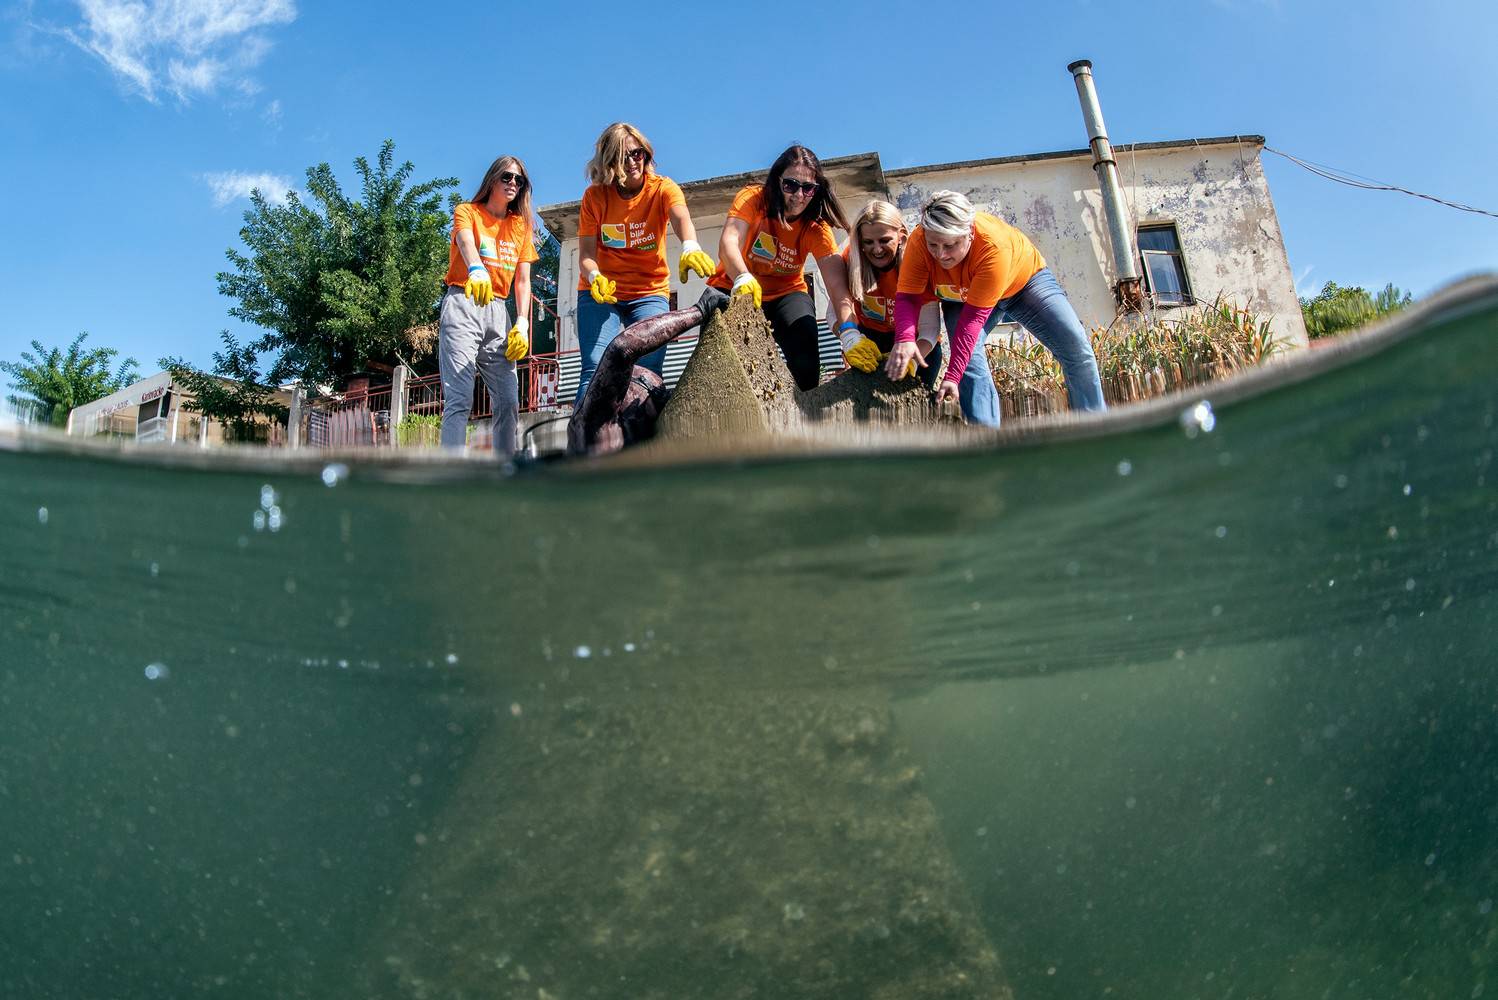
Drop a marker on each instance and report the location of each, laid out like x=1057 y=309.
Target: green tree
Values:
x=233 y=394
x=56 y=380
x=336 y=282
x=1336 y=309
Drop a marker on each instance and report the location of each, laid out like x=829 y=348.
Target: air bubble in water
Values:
x=258 y=520
x=452 y=659
x=157 y=672
x=334 y=474
x=273 y=518
x=42 y=515
x=1125 y=467
x=1199 y=419
x=268 y=498
x=582 y=652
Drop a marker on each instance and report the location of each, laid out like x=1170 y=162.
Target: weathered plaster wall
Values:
x=1216 y=196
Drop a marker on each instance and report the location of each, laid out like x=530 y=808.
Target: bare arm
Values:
x=469 y=249
x=731 y=248
x=523 y=291
x=835 y=274
x=587 y=248
x=681 y=223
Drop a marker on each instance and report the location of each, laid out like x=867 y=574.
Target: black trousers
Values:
x=793 y=320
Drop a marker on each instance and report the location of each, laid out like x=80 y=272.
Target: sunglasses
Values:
x=510 y=177
x=639 y=155
x=790 y=186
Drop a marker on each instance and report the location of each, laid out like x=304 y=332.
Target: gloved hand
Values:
x=748 y=284
x=478 y=287
x=859 y=351
x=518 y=343
x=602 y=289
x=693 y=259
x=712 y=300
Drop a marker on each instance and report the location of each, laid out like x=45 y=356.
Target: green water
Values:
x=1142 y=715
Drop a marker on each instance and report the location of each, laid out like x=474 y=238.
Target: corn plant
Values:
x=1161 y=356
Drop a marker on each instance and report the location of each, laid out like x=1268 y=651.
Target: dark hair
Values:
x=823 y=206
x=520 y=204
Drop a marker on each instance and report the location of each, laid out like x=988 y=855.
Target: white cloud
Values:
x=1301 y=287
x=272 y=113
x=232 y=185
x=186 y=47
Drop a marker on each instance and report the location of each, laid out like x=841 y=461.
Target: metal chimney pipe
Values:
x=1127 y=289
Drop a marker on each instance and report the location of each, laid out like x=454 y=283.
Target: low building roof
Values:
x=712 y=196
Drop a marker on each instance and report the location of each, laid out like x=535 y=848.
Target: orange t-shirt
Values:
x=631 y=234
x=1001 y=261
x=503 y=245
x=775 y=253
x=877 y=308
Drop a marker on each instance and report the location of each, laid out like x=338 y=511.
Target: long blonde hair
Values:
x=861 y=274
x=607 y=165
x=520 y=204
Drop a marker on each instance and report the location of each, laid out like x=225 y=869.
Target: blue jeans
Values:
x=1043 y=309
x=599 y=324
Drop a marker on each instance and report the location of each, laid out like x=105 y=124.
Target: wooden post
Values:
x=398 y=403
x=294 y=417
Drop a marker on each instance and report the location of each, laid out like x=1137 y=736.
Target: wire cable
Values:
x=1368 y=184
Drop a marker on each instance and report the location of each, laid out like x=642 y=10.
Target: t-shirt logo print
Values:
x=951 y=293
x=764 y=247
x=614 y=235
x=487 y=249
x=873 y=308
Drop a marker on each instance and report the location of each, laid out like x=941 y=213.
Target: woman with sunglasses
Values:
x=865 y=320
x=981 y=269
x=491 y=248
x=771 y=229
x=622 y=246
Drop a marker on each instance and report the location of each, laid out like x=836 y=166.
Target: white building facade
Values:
x=1204 y=224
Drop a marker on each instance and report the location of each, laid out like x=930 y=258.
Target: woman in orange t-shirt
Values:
x=621 y=246
x=771 y=229
x=865 y=320
x=981 y=270
x=491 y=248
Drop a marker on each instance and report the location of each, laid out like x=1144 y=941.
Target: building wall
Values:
x=1216 y=195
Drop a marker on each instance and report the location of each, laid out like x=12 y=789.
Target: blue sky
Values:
x=136 y=127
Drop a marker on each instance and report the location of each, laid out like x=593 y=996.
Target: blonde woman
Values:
x=491 y=249
x=981 y=269
x=621 y=243
x=865 y=320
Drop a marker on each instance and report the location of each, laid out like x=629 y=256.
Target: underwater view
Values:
x=1194 y=702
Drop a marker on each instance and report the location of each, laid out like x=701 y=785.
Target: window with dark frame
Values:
x=1163 y=265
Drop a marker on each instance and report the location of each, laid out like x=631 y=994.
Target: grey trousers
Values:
x=472 y=343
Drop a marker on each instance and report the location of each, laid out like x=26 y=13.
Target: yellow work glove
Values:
x=602 y=289
x=693 y=259
x=859 y=351
x=478 y=287
x=518 y=343
x=748 y=284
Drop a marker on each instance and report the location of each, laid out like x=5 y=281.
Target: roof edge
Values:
x=1066 y=154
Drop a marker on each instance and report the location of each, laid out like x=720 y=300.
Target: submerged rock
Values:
x=679 y=847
